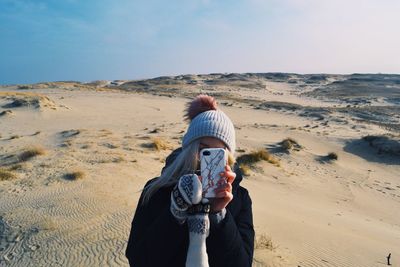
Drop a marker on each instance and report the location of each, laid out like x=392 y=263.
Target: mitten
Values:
x=199 y=229
x=187 y=192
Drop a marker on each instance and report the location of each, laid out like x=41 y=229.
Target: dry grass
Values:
x=30 y=153
x=66 y=143
x=105 y=132
x=263 y=242
x=289 y=144
x=256 y=156
x=18 y=166
x=245 y=169
x=158 y=144
x=118 y=159
x=74 y=175
x=6 y=175
x=5 y=112
x=246 y=161
x=332 y=156
x=25 y=99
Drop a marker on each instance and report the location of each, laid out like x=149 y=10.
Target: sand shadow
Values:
x=364 y=150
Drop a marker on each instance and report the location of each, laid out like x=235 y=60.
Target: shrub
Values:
x=30 y=153
x=6 y=175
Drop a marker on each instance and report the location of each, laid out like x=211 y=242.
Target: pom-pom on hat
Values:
x=206 y=120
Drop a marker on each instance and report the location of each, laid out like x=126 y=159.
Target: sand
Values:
x=313 y=211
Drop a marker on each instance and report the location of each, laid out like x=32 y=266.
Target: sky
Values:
x=86 y=40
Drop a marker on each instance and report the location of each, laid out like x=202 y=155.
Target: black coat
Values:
x=156 y=239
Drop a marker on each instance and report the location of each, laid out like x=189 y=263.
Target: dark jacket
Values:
x=156 y=239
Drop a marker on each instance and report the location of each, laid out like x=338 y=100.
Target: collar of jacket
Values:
x=239 y=177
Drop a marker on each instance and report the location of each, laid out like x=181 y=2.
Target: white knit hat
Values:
x=208 y=121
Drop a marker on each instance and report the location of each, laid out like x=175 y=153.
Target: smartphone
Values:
x=212 y=163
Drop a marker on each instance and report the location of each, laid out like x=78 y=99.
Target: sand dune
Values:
x=79 y=154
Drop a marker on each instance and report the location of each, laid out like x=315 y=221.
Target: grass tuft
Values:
x=332 y=156
x=253 y=157
x=263 y=242
x=159 y=144
x=256 y=156
x=246 y=161
x=74 y=175
x=15 y=167
x=6 y=175
x=245 y=169
x=30 y=153
x=289 y=144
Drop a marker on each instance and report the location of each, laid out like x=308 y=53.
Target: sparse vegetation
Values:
x=66 y=143
x=17 y=166
x=30 y=153
x=290 y=144
x=256 y=156
x=263 y=242
x=24 y=87
x=6 y=174
x=105 y=132
x=332 y=156
x=384 y=144
x=5 y=112
x=74 y=175
x=15 y=136
x=70 y=133
x=26 y=99
x=246 y=161
x=245 y=169
x=158 y=144
x=118 y=159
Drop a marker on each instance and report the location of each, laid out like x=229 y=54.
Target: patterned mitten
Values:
x=199 y=229
x=187 y=192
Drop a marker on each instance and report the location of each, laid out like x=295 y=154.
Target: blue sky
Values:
x=120 y=39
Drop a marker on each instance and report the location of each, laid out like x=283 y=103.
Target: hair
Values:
x=186 y=162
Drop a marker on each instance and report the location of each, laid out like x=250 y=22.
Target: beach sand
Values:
x=73 y=160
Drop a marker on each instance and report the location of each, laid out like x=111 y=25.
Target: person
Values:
x=173 y=225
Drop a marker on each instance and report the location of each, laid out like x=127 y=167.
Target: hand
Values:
x=224 y=191
x=186 y=193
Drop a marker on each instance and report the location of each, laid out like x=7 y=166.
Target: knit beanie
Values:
x=206 y=120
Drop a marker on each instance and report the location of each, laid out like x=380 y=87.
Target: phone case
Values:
x=212 y=163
